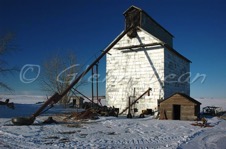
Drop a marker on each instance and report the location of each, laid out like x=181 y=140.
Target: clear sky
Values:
x=43 y=27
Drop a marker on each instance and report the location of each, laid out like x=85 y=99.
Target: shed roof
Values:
x=185 y=96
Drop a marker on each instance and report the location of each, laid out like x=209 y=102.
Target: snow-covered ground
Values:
x=106 y=132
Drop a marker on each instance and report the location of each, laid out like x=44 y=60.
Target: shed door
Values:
x=176 y=112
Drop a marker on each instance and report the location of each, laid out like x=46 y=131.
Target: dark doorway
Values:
x=176 y=112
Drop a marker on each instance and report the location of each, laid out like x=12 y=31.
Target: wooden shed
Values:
x=77 y=101
x=179 y=107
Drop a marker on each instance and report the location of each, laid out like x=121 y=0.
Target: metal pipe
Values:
x=92 y=86
x=82 y=94
x=148 y=91
x=56 y=97
x=97 y=82
x=97 y=60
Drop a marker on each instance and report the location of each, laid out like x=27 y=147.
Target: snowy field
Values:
x=106 y=132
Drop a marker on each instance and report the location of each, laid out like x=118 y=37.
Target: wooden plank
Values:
x=138 y=46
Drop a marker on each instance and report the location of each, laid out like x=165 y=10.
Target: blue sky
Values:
x=44 y=27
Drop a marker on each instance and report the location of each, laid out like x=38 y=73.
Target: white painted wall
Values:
x=140 y=69
x=177 y=76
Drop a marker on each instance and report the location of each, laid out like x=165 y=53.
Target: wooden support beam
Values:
x=133 y=47
x=149 y=89
x=139 y=46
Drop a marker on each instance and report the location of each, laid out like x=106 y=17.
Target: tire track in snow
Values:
x=13 y=141
x=207 y=138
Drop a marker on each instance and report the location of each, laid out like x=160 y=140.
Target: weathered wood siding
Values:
x=189 y=109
